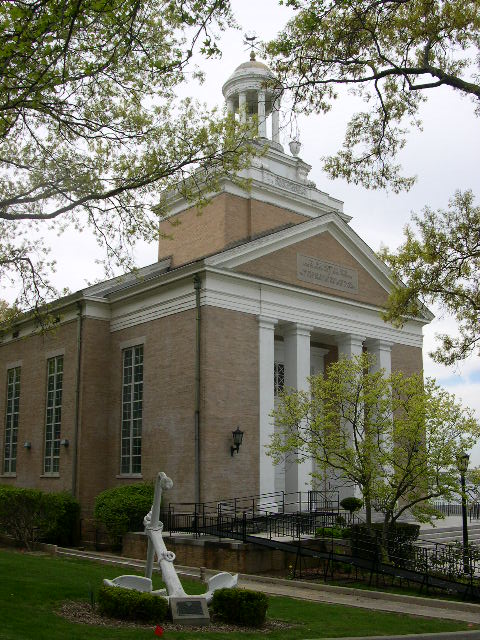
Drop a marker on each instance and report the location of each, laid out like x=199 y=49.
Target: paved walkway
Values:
x=426 y=607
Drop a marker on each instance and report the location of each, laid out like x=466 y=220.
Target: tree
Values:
x=396 y=437
x=391 y=53
x=91 y=130
x=440 y=263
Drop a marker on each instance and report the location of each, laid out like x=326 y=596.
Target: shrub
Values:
x=122 y=509
x=366 y=542
x=240 y=606
x=128 y=604
x=329 y=532
x=63 y=518
x=29 y=515
x=351 y=504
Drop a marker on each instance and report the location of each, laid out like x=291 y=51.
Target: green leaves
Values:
x=397 y=437
x=90 y=129
x=389 y=53
x=440 y=262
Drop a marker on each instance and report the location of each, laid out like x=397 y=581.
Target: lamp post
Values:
x=462 y=464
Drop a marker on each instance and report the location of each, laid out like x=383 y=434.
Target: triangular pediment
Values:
x=323 y=255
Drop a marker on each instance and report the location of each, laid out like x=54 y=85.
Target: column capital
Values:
x=266 y=322
x=378 y=343
x=381 y=350
x=297 y=329
x=350 y=338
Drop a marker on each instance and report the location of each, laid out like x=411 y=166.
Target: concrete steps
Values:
x=448 y=535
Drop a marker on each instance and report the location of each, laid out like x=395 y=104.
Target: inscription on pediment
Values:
x=326 y=274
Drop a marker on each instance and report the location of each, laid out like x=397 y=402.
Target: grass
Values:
x=33 y=586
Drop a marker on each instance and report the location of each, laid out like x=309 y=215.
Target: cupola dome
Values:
x=251 y=90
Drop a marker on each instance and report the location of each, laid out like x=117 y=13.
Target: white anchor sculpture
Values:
x=156 y=546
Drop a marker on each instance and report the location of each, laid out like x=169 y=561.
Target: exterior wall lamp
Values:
x=237 y=437
x=27 y=445
x=64 y=443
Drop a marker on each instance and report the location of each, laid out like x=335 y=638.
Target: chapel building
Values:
x=153 y=371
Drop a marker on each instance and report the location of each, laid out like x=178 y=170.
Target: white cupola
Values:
x=251 y=91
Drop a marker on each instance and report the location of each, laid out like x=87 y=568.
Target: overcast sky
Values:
x=445 y=156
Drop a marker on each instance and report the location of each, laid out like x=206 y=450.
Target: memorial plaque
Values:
x=327 y=274
x=189 y=610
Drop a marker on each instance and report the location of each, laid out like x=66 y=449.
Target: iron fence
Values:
x=440 y=564
x=455 y=509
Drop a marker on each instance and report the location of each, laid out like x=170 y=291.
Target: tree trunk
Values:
x=368 y=511
x=384 y=544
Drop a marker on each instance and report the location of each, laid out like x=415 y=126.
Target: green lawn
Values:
x=33 y=586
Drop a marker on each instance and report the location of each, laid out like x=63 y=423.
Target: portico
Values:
x=293 y=349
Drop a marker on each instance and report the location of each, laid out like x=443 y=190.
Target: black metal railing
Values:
x=268 y=525
x=264 y=504
x=455 y=509
x=440 y=565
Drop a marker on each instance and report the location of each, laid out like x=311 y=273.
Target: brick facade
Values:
x=225 y=221
x=32 y=354
x=282 y=266
x=230 y=367
x=230 y=399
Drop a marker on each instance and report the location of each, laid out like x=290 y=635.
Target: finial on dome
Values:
x=252 y=55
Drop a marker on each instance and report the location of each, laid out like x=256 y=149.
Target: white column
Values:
x=262 y=125
x=230 y=108
x=317 y=359
x=297 y=371
x=276 y=120
x=349 y=346
x=317 y=368
x=242 y=106
x=382 y=352
x=266 y=327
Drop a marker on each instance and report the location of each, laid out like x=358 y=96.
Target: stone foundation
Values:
x=231 y=555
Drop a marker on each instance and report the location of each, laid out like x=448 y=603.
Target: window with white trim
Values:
x=53 y=419
x=132 y=409
x=11 y=420
x=278 y=377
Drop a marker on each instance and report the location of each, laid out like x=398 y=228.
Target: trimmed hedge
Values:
x=240 y=606
x=366 y=542
x=63 y=526
x=123 y=509
x=29 y=515
x=128 y=604
x=351 y=504
x=333 y=532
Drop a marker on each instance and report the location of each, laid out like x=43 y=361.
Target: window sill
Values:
x=8 y=475
x=126 y=476
x=49 y=475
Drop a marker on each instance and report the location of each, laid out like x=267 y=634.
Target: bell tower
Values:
x=280 y=193
x=251 y=90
